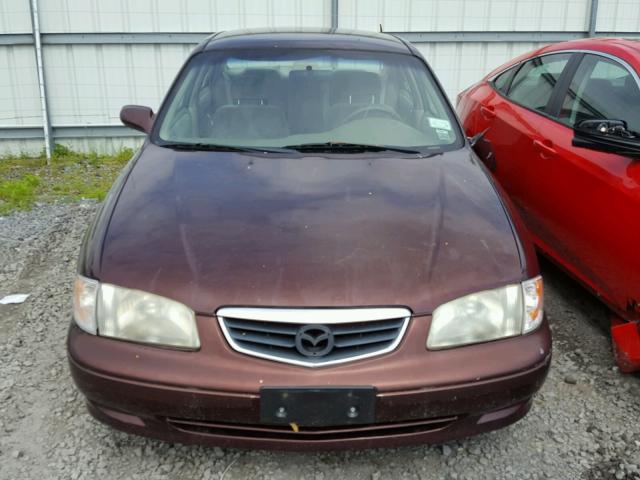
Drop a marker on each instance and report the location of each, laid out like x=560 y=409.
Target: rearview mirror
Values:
x=607 y=136
x=137 y=117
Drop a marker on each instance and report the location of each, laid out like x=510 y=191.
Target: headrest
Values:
x=631 y=86
x=350 y=84
x=598 y=85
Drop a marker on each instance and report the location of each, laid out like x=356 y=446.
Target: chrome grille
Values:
x=313 y=337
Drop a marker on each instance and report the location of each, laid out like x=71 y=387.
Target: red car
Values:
x=560 y=135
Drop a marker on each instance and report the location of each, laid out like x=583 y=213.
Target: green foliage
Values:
x=61 y=151
x=70 y=177
x=19 y=193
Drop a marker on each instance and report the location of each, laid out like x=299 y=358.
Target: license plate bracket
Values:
x=317 y=406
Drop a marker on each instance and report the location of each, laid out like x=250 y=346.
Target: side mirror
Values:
x=483 y=149
x=607 y=136
x=602 y=126
x=477 y=138
x=137 y=117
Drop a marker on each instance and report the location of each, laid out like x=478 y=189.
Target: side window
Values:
x=602 y=88
x=501 y=82
x=533 y=84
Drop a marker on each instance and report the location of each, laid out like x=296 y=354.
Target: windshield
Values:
x=296 y=98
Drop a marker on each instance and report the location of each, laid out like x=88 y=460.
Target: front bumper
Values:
x=212 y=396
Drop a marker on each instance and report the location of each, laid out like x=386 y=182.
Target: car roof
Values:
x=306 y=38
x=627 y=49
x=600 y=44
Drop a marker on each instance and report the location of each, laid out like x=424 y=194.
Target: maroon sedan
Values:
x=305 y=253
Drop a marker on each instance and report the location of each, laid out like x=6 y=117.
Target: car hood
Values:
x=216 y=228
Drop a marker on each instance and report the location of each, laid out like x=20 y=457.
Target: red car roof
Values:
x=626 y=49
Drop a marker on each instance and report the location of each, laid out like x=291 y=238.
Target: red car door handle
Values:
x=545 y=148
x=487 y=112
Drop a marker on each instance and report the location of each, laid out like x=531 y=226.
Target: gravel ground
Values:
x=583 y=423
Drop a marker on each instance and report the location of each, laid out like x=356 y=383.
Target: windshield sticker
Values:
x=439 y=123
x=442 y=134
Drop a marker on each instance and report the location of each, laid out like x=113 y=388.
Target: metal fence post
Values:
x=334 y=14
x=46 y=125
x=593 y=18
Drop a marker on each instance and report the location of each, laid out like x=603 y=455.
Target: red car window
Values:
x=534 y=83
x=602 y=89
x=502 y=81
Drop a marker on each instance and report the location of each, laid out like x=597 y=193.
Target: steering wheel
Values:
x=365 y=111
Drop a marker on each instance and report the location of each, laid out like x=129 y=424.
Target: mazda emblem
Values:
x=314 y=340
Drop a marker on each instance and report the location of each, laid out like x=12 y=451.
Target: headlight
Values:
x=533 y=291
x=134 y=315
x=490 y=315
x=85 y=291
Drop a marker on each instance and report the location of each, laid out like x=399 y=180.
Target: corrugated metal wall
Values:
x=465 y=15
x=91 y=82
x=619 y=15
x=88 y=77
x=460 y=64
x=178 y=15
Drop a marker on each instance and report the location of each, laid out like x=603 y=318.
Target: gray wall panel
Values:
x=19 y=96
x=91 y=70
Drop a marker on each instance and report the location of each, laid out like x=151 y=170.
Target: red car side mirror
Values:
x=137 y=117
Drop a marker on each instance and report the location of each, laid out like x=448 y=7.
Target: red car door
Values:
x=512 y=112
x=588 y=200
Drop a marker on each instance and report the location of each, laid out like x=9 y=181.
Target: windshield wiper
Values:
x=303 y=147
x=347 y=147
x=212 y=147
